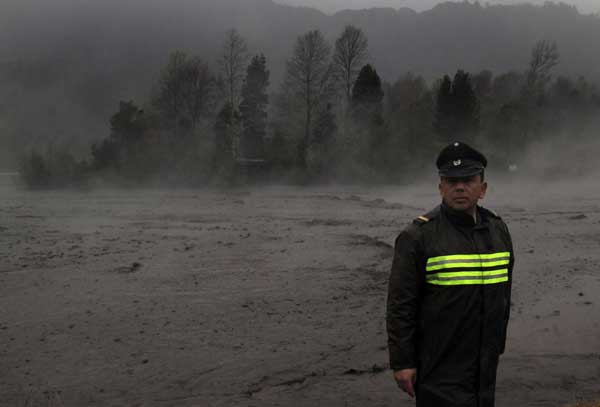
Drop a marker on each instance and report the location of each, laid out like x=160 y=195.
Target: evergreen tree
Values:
x=367 y=97
x=444 y=115
x=127 y=126
x=466 y=106
x=457 y=109
x=409 y=120
x=133 y=148
x=122 y=149
x=367 y=109
x=253 y=109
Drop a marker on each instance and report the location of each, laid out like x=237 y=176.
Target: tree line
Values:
x=331 y=119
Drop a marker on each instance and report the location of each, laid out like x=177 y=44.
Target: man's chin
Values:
x=460 y=206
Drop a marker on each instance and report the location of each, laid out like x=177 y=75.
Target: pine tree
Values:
x=457 y=109
x=367 y=111
x=466 y=106
x=367 y=97
x=444 y=114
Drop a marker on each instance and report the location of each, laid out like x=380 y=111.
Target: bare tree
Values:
x=351 y=51
x=544 y=57
x=185 y=91
x=308 y=76
x=233 y=64
x=198 y=91
x=169 y=100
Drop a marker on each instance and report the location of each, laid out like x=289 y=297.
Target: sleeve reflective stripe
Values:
x=469 y=282
x=468 y=274
x=468 y=263
x=487 y=256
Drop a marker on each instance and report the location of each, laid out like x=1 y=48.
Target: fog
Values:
x=273 y=295
x=68 y=63
x=234 y=248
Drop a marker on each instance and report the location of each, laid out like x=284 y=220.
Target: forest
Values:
x=332 y=119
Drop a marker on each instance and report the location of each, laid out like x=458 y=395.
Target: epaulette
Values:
x=423 y=219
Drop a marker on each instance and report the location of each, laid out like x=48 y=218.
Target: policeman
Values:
x=449 y=291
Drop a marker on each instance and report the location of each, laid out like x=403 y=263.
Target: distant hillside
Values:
x=332 y=6
x=65 y=64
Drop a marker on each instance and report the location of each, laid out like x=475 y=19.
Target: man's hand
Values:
x=406 y=379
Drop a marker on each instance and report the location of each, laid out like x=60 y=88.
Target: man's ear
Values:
x=483 y=190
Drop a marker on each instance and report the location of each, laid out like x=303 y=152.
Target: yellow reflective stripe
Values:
x=494 y=255
x=474 y=263
x=468 y=274
x=469 y=282
x=467 y=257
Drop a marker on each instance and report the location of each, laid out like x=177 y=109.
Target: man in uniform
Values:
x=449 y=292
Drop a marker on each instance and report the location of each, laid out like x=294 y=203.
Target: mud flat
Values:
x=266 y=297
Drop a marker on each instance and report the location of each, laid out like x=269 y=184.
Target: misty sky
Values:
x=330 y=6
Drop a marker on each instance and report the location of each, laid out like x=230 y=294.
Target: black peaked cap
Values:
x=460 y=160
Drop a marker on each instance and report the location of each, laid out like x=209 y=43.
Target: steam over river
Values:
x=268 y=296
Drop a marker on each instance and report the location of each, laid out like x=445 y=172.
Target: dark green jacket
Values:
x=448 y=305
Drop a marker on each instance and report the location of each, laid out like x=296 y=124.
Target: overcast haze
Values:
x=66 y=64
x=179 y=232
x=331 y=6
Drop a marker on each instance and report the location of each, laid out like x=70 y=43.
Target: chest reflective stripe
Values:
x=468 y=269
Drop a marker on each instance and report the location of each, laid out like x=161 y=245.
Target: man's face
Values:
x=462 y=193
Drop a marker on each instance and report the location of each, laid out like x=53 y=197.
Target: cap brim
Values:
x=465 y=171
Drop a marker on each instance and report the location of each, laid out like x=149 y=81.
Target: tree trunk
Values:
x=306 y=140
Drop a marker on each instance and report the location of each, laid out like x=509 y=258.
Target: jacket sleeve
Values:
x=404 y=289
x=508 y=286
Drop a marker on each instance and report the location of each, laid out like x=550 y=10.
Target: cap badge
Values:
x=457 y=163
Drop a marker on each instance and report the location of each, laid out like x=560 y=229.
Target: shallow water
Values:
x=270 y=296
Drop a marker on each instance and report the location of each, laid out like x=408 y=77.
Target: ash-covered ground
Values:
x=268 y=296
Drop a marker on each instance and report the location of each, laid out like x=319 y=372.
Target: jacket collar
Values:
x=460 y=218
